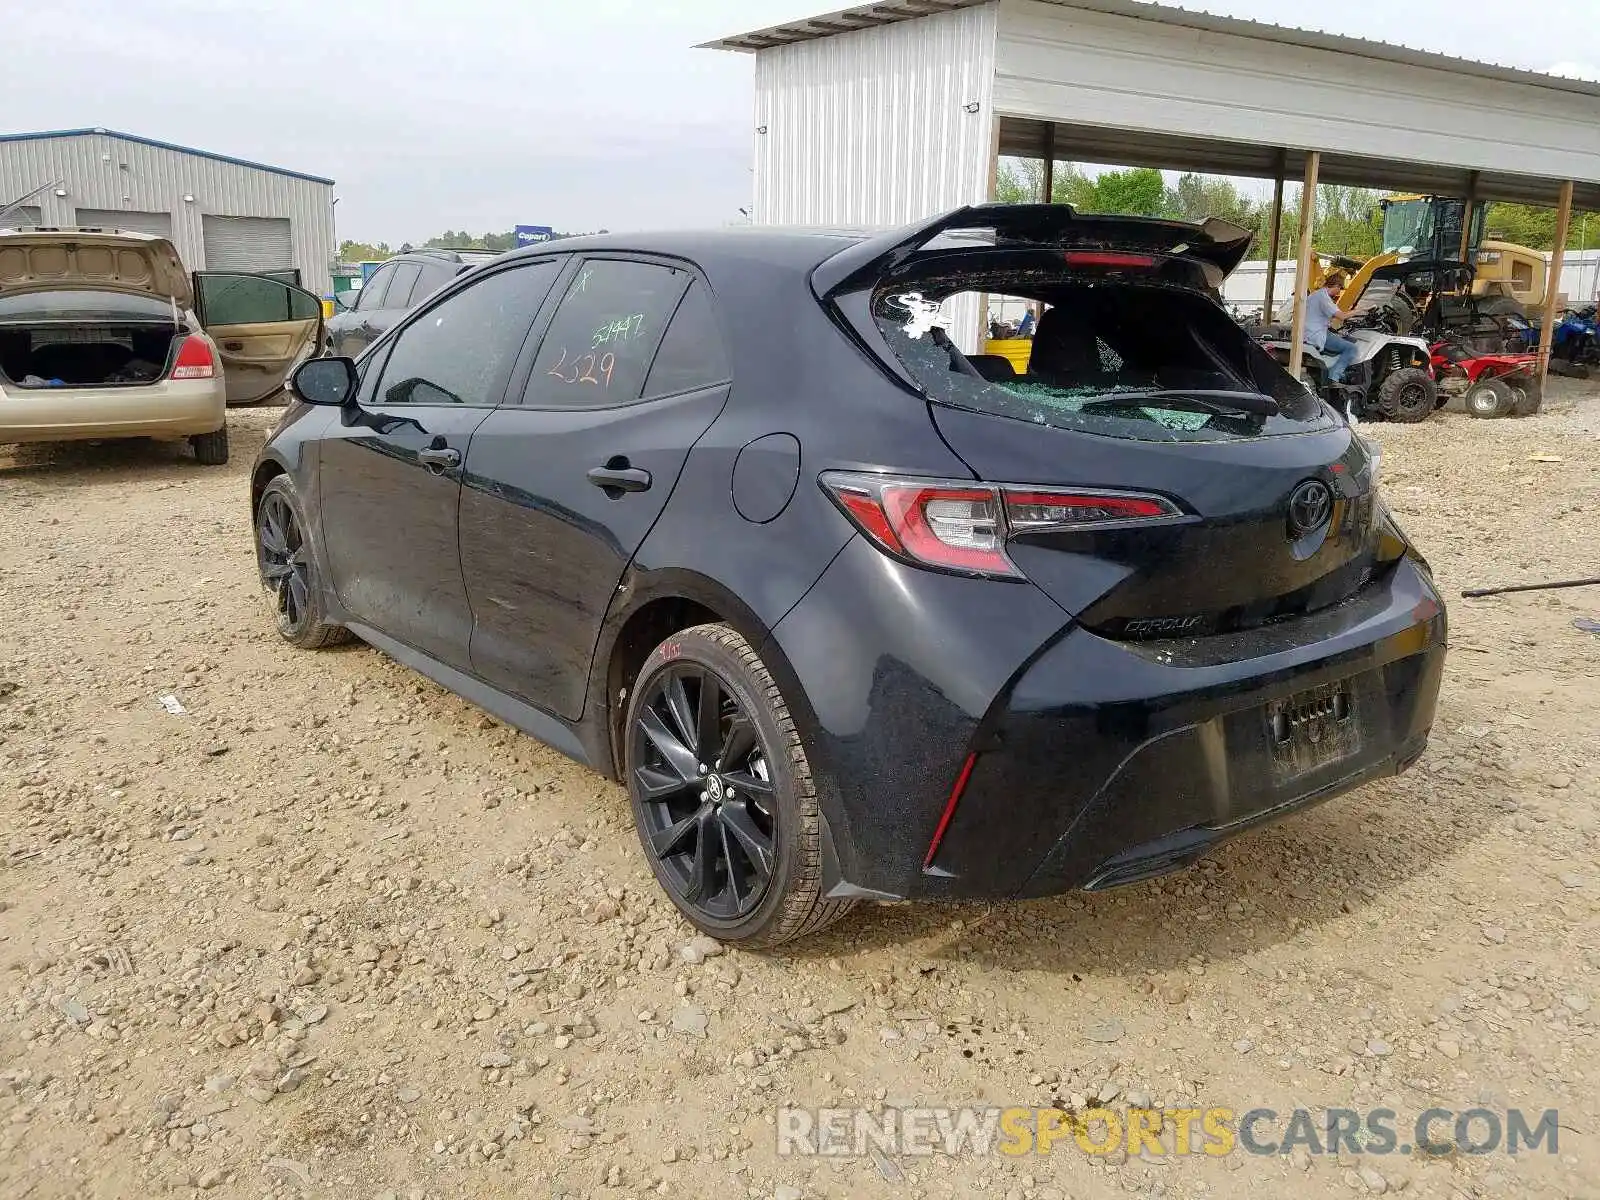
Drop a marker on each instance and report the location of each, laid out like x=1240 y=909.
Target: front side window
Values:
x=375 y=289
x=604 y=337
x=1136 y=351
x=461 y=350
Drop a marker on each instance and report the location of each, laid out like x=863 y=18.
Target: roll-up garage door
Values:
x=157 y=223
x=247 y=243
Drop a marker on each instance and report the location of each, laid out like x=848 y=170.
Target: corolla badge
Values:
x=1310 y=506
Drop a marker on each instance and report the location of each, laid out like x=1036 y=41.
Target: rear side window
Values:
x=1099 y=351
x=604 y=336
x=251 y=300
x=691 y=354
x=461 y=350
x=431 y=280
x=400 y=287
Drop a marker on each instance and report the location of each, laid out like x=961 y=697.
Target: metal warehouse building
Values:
x=222 y=213
x=891 y=111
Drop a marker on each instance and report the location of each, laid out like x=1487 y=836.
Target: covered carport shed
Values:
x=884 y=113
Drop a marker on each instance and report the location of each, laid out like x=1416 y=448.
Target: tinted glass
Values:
x=692 y=354
x=253 y=300
x=431 y=280
x=374 y=290
x=603 y=337
x=405 y=279
x=461 y=350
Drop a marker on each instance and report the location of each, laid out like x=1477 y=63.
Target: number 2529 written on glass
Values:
x=588 y=367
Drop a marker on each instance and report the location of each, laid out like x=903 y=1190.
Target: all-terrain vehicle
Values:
x=1392 y=375
x=1490 y=385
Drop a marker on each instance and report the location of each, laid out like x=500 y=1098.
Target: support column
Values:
x=981 y=337
x=1467 y=214
x=1049 y=164
x=1302 y=275
x=1552 y=281
x=1274 y=242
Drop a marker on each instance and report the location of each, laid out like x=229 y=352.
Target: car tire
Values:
x=211 y=449
x=1490 y=398
x=1407 y=395
x=722 y=794
x=288 y=569
x=1528 y=398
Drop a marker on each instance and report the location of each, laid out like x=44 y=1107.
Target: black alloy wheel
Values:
x=288 y=570
x=285 y=568
x=704 y=793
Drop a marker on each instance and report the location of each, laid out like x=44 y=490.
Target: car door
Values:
x=263 y=328
x=390 y=468
x=563 y=487
x=352 y=332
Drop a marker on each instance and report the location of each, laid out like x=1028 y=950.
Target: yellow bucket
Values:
x=1017 y=350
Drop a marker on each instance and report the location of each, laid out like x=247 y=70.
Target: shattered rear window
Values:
x=1103 y=353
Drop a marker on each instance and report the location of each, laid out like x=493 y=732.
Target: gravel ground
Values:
x=331 y=932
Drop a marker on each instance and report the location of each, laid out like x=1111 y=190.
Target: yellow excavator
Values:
x=1430 y=227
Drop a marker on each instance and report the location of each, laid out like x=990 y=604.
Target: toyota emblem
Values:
x=1310 y=506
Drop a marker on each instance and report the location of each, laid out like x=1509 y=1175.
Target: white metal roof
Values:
x=887 y=12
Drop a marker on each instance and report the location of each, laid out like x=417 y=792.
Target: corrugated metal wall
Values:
x=871 y=127
x=1111 y=71
x=101 y=171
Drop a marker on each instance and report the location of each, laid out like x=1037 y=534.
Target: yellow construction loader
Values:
x=1417 y=227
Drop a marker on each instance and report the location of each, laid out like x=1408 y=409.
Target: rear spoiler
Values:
x=1217 y=245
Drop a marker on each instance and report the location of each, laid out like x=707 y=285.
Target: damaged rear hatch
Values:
x=1220 y=495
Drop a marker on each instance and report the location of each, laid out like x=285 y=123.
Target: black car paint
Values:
x=895 y=675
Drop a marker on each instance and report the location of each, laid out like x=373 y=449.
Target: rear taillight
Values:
x=194 y=359
x=964 y=527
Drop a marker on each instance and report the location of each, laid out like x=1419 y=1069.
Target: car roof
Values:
x=783 y=247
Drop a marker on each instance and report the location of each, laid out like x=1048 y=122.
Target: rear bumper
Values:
x=1113 y=762
x=172 y=408
x=1101 y=762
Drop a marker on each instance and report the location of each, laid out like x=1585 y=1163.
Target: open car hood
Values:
x=58 y=260
x=1218 y=246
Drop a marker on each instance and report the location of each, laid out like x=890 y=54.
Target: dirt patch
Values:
x=332 y=932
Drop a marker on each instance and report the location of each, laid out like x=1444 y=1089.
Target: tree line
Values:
x=1348 y=219
x=354 y=252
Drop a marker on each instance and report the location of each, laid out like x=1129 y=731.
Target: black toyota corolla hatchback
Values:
x=854 y=614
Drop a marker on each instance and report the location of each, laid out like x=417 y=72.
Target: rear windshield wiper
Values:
x=1249 y=403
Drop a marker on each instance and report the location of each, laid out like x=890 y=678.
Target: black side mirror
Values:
x=330 y=381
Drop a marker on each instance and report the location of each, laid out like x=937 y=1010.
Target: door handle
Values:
x=439 y=459
x=618 y=476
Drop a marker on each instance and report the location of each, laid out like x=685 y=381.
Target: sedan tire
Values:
x=722 y=793
x=289 y=569
x=211 y=449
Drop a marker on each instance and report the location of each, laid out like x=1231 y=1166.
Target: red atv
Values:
x=1490 y=385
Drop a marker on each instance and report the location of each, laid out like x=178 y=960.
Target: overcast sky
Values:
x=581 y=114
